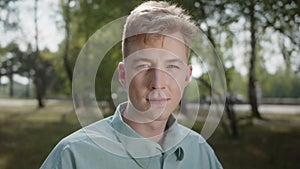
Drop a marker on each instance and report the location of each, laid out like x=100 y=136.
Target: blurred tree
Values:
x=252 y=19
x=210 y=18
x=283 y=16
x=217 y=17
x=39 y=79
x=10 y=64
x=19 y=62
x=9 y=14
x=19 y=59
x=8 y=20
x=280 y=85
x=67 y=21
x=81 y=19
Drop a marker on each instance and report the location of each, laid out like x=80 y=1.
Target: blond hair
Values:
x=156 y=17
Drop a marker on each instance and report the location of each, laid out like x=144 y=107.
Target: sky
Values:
x=49 y=34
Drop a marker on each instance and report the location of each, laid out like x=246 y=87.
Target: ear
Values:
x=122 y=73
x=188 y=74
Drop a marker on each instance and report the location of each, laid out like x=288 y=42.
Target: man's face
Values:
x=155 y=76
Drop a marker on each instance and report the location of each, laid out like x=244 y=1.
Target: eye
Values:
x=142 y=66
x=173 y=67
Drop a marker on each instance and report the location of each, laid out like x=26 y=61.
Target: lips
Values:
x=158 y=100
x=157 y=97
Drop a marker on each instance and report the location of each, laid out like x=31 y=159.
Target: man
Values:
x=143 y=133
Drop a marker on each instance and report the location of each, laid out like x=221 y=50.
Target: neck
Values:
x=153 y=130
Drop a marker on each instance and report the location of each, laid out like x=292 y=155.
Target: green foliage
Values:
x=237 y=83
x=281 y=84
x=86 y=18
x=105 y=73
x=31 y=133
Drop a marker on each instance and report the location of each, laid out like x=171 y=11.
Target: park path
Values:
x=29 y=102
x=264 y=108
x=270 y=108
x=240 y=108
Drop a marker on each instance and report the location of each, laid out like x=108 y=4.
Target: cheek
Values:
x=137 y=94
x=177 y=92
x=133 y=79
x=136 y=86
x=177 y=84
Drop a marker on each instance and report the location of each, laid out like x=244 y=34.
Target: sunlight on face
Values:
x=155 y=77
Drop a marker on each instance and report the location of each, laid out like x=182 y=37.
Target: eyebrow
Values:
x=141 y=60
x=168 y=60
x=175 y=61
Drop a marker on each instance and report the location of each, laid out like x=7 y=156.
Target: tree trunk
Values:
x=37 y=66
x=252 y=80
x=67 y=45
x=11 y=82
x=231 y=116
x=10 y=75
x=27 y=92
x=232 y=130
x=39 y=93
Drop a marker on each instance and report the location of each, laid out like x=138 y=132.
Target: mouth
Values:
x=158 y=101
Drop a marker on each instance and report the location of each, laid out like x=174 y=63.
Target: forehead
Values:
x=172 y=43
x=154 y=55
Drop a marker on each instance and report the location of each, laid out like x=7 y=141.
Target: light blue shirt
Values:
x=112 y=144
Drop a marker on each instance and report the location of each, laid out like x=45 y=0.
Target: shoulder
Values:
x=195 y=143
x=77 y=145
x=197 y=148
x=87 y=135
x=191 y=136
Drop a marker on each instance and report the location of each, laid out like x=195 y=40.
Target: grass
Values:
x=271 y=144
x=27 y=135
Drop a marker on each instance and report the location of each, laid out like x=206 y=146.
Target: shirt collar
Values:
x=138 y=146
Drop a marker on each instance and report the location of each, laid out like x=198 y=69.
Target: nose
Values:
x=158 y=79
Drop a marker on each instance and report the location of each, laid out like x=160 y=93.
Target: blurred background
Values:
x=258 y=42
